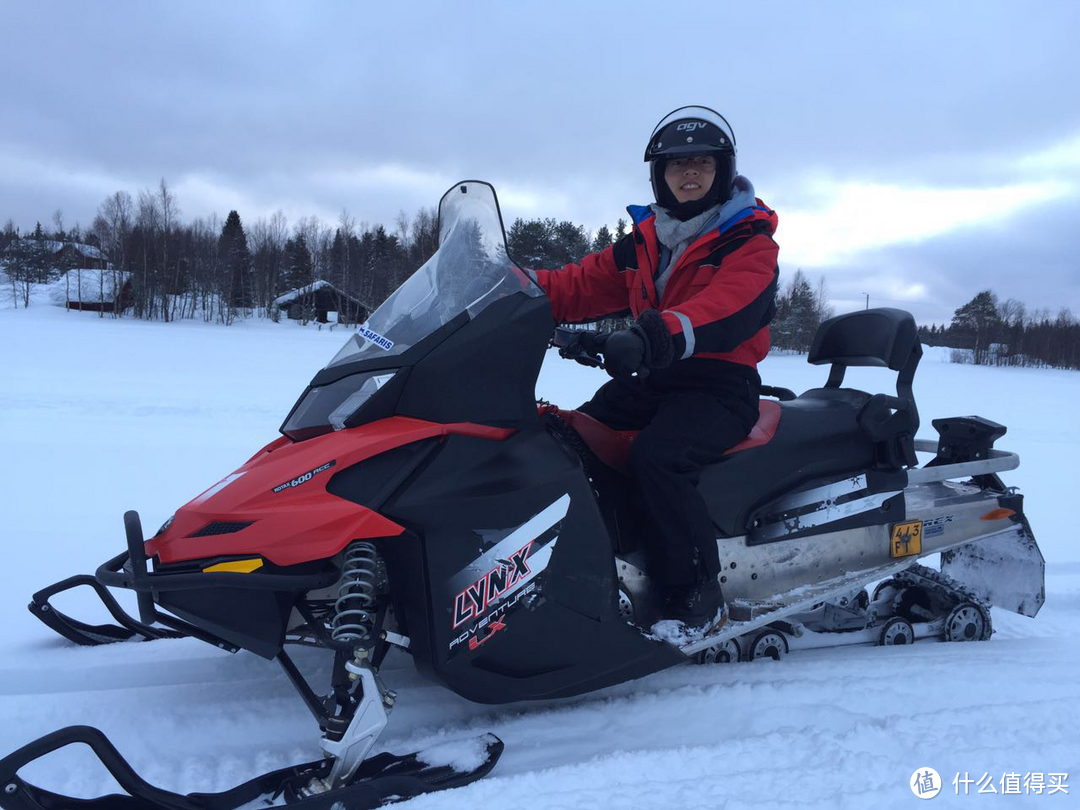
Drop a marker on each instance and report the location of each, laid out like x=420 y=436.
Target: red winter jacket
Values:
x=718 y=300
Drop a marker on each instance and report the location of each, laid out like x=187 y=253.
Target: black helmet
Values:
x=686 y=132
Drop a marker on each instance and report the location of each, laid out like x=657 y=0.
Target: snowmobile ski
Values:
x=381 y=779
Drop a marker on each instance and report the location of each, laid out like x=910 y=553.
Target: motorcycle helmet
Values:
x=687 y=132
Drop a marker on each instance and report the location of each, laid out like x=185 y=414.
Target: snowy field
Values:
x=98 y=416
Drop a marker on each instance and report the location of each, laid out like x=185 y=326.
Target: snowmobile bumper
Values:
x=129 y=570
x=379 y=780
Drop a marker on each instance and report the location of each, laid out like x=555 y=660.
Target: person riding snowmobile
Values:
x=699 y=274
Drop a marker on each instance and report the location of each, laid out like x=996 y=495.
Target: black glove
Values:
x=624 y=352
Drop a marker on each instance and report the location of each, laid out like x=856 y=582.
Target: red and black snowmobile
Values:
x=420 y=498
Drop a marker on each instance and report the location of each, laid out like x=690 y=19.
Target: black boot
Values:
x=699 y=607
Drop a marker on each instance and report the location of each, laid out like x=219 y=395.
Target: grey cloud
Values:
x=1033 y=257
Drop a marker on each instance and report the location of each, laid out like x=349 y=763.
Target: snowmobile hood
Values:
x=277 y=505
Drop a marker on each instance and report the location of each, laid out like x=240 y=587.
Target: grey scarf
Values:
x=675 y=235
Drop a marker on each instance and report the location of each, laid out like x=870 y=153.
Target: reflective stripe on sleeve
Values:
x=687 y=330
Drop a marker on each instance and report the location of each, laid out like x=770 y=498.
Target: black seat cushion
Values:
x=818 y=437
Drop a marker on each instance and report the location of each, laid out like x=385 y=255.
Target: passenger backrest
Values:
x=886 y=338
x=871 y=337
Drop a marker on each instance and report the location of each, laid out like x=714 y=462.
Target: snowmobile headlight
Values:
x=358 y=397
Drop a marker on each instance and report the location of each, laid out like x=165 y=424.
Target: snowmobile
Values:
x=420 y=497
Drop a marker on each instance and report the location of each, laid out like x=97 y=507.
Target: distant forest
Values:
x=1004 y=333
x=221 y=270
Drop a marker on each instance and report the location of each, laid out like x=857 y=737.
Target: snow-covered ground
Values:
x=99 y=415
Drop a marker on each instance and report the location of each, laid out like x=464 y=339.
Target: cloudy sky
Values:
x=917 y=152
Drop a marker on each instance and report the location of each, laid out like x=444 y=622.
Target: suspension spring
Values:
x=354 y=610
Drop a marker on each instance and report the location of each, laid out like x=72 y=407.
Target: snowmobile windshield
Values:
x=469 y=271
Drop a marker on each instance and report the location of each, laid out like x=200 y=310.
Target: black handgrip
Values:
x=782 y=394
x=137 y=556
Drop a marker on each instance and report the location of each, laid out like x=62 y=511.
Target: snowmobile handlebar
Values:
x=580 y=346
x=587 y=348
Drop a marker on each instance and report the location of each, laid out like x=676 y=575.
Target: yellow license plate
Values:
x=906 y=538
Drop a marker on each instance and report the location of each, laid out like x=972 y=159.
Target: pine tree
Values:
x=236 y=263
x=978 y=322
x=339 y=260
x=569 y=243
x=529 y=242
x=799 y=312
x=603 y=239
x=297 y=267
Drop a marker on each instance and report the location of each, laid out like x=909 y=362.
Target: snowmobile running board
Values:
x=380 y=780
x=745 y=617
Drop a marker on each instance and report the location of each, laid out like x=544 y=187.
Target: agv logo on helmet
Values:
x=689 y=132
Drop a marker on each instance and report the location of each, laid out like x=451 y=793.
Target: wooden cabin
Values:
x=322 y=302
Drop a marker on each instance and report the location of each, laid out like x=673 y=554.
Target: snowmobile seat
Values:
x=818 y=436
x=828 y=432
x=613 y=446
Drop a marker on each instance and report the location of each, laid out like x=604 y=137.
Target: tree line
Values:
x=989 y=331
x=220 y=270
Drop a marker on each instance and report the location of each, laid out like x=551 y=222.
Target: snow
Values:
x=462 y=756
x=86 y=285
x=100 y=415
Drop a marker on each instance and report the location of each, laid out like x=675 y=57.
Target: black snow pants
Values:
x=688 y=415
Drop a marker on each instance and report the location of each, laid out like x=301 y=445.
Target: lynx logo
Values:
x=690 y=126
x=474 y=600
x=487 y=627
x=492 y=585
